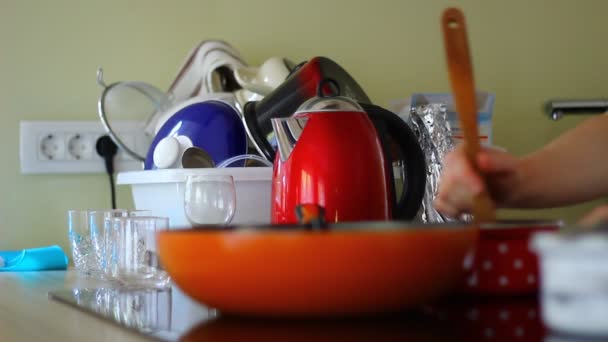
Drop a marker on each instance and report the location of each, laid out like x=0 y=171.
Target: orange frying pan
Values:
x=340 y=269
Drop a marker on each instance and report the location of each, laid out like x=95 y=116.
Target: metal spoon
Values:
x=195 y=158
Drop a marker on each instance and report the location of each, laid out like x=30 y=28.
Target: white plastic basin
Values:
x=162 y=192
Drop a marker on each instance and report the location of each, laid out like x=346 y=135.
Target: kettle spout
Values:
x=287 y=132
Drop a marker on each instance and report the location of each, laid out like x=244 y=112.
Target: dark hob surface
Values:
x=169 y=315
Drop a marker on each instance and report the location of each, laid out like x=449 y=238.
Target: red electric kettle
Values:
x=330 y=154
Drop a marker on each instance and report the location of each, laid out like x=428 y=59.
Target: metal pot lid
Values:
x=328 y=99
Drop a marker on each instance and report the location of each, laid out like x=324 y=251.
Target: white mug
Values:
x=266 y=78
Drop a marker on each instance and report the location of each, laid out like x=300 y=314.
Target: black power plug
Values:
x=107 y=149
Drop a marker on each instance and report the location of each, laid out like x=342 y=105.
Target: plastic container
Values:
x=162 y=192
x=574 y=282
x=504 y=263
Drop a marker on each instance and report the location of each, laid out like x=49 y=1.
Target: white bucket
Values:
x=162 y=192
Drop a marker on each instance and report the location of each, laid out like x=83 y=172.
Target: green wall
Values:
x=525 y=51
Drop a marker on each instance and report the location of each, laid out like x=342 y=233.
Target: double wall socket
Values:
x=69 y=146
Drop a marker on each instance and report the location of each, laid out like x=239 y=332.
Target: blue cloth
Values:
x=34 y=259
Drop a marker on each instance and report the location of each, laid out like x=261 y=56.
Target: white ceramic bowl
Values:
x=162 y=192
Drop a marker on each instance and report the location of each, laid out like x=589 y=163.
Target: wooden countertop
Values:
x=27 y=314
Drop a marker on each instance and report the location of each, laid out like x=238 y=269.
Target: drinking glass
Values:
x=209 y=199
x=79 y=234
x=111 y=249
x=139 y=212
x=100 y=222
x=134 y=261
x=87 y=234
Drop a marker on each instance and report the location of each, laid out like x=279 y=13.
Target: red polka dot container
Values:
x=503 y=262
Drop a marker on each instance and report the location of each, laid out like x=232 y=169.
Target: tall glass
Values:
x=79 y=234
x=100 y=222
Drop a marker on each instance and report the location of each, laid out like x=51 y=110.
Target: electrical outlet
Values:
x=69 y=146
x=51 y=147
x=79 y=146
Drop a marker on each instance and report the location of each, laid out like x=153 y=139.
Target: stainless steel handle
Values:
x=558 y=108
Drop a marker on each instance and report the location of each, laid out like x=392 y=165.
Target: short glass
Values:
x=209 y=199
x=110 y=249
x=133 y=259
x=86 y=232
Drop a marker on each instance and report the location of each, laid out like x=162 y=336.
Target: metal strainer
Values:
x=132 y=101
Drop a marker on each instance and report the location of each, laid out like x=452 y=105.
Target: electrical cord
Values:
x=107 y=149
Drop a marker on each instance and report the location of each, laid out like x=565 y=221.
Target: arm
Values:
x=571 y=169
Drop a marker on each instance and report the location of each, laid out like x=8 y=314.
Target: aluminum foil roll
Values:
x=429 y=123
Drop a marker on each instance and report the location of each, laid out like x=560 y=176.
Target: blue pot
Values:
x=213 y=126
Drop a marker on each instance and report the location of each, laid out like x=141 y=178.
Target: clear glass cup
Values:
x=85 y=233
x=111 y=249
x=209 y=199
x=100 y=222
x=77 y=235
x=132 y=245
x=138 y=212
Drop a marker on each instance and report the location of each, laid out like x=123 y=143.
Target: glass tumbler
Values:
x=86 y=231
x=110 y=236
x=209 y=199
x=134 y=261
x=79 y=235
x=100 y=222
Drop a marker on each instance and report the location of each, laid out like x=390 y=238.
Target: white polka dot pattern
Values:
x=496 y=319
x=503 y=248
x=487 y=265
x=503 y=265
x=518 y=264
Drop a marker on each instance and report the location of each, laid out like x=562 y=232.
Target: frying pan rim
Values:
x=345 y=227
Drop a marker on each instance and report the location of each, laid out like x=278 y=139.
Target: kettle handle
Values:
x=415 y=166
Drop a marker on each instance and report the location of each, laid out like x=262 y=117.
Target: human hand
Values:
x=460 y=183
x=599 y=215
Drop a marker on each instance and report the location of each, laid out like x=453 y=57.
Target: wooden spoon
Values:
x=461 y=79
